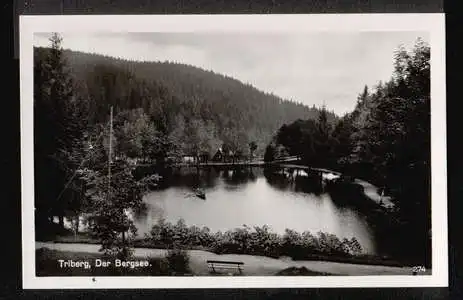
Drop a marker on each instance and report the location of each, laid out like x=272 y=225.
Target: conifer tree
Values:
x=60 y=126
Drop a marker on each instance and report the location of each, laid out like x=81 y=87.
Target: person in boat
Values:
x=200 y=193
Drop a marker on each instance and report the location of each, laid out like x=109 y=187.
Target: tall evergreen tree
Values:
x=59 y=128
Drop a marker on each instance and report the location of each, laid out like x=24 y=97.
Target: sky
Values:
x=313 y=68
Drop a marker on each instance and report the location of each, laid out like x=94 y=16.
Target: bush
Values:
x=160 y=267
x=302 y=271
x=178 y=261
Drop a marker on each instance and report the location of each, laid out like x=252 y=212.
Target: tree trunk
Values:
x=61 y=220
x=76 y=225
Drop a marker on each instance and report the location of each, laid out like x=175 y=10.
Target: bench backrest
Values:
x=225 y=262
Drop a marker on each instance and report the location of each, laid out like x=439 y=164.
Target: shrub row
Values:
x=253 y=241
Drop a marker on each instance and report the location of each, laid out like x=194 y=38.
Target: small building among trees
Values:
x=189 y=158
x=218 y=156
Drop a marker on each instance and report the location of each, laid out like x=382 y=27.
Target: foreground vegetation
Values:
x=301 y=271
x=255 y=241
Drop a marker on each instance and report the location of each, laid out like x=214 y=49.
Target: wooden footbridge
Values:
x=244 y=163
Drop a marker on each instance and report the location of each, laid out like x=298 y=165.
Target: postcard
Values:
x=233 y=151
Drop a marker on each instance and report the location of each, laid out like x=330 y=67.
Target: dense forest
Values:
x=385 y=140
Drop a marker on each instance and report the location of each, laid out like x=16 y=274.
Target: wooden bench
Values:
x=220 y=264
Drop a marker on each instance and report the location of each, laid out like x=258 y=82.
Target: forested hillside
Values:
x=181 y=100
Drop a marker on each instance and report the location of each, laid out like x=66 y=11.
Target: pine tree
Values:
x=252 y=149
x=323 y=138
x=60 y=121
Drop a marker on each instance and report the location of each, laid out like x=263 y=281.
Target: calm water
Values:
x=236 y=198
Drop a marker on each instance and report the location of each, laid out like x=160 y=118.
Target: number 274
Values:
x=418 y=269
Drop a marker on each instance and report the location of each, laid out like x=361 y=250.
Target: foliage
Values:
x=252 y=148
x=254 y=241
x=301 y=271
x=139 y=137
x=392 y=125
x=110 y=201
x=309 y=139
x=393 y=140
x=59 y=126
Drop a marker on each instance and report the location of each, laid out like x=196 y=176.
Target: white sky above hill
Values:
x=312 y=68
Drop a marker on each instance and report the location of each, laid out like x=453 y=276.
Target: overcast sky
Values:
x=313 y=68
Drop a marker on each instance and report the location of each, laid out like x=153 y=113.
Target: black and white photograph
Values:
x=231 y=151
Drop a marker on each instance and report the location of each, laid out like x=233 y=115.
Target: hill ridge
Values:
x=191 y=66
x=176 y=94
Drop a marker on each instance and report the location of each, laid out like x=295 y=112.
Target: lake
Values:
x=251 y=197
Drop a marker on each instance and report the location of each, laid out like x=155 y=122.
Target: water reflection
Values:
x=253 y=197
x=291 y=179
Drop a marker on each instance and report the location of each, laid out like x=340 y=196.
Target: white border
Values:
x=432 y=23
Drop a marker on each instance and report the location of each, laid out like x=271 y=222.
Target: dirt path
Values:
x=372 y=192
x=253 y=265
